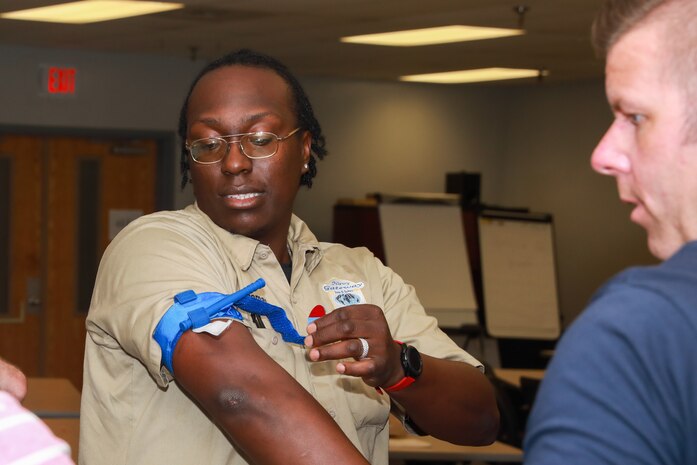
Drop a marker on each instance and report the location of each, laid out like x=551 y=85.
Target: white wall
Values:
x=531 y=144
x=386 y=137
x=550 y=135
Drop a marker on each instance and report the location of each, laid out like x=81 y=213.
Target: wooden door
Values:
x=20 y=255
x=82 y=181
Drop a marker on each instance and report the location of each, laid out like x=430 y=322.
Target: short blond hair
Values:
x=617 y=17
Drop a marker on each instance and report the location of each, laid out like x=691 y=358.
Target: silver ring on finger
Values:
x=366 y=348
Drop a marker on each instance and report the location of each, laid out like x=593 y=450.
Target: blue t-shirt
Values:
x=622 y=386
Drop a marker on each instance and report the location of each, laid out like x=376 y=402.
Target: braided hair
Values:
x=301 y=106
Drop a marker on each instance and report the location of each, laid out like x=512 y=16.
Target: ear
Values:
x=306 y=147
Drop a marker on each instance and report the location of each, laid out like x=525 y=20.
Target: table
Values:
x=57 y=403
x=513 y=375
x=430 y=448
x=405 y=446
x=68 y=429
x=52 y=398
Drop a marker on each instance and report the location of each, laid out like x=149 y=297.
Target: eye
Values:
x=260 y=139
x=635 y=118
x=207 y=145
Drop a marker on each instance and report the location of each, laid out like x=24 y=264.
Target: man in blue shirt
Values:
x=622 y=387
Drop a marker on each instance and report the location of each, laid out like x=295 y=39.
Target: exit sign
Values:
x=58 y=80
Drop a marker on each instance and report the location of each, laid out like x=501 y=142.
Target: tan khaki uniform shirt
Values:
x=131 y=411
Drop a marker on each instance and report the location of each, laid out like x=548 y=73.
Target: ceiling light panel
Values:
x=473 y=75
x=432 y=36
x=90 y=11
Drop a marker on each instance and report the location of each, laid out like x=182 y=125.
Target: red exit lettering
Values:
x=61 y=80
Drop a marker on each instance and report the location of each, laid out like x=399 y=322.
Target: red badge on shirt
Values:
x=316 y=312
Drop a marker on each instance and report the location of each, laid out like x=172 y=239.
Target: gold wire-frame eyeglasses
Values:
x=254 y=145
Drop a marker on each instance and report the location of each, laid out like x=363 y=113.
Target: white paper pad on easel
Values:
x=425 y=245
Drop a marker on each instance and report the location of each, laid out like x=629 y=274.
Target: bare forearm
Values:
x=452 y=401
x=267 y=415
x=282 y=423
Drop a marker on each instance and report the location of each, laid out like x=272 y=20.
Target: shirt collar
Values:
x=302 y=242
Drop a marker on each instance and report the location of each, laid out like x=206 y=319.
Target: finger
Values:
x=335 y=326
x=355 y=312
x=339 y=350
x=365 y=369
x=346 y=323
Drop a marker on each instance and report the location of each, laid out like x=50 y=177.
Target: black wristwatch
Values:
x=412 y=366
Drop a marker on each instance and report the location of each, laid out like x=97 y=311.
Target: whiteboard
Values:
x=519 y=278
x=425 y=245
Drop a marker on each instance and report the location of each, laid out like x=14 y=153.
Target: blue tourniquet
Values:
x=191 y=311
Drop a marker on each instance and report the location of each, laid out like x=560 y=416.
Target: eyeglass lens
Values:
x=213 y=149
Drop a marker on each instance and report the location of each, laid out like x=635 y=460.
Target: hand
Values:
x=12 y=380
x=335 y=337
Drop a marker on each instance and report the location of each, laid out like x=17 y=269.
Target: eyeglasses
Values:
x=254 y=145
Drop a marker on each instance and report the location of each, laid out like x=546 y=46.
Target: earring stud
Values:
x=306 y=166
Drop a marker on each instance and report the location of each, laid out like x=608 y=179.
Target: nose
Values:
x=611 y=156
x=235 y=161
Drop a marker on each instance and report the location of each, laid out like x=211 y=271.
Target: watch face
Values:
x=412 y=361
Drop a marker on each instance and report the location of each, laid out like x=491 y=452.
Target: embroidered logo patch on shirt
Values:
x=343 y=292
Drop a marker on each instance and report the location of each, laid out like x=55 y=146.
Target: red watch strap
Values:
x=401 y=384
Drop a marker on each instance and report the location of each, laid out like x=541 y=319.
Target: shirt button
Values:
x=274 y=341
x=332 y=413
x=263 y=255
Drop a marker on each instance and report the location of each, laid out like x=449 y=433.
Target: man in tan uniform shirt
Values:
x=160 y=424
x=246 y=396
